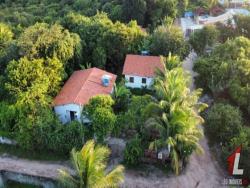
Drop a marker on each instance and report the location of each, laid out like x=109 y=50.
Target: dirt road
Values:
x=33 y=168
x=202 y=171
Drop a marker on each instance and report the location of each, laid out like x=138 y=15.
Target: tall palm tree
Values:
x=90 y=164
x=121 y=96
x=211 y=3
x=175 y=115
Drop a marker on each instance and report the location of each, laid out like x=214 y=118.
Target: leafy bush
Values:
x=133 y=152
x=223 y=122
x=100 y=101
x=99 y=111
x=168 y=39
x=103 y=121
x=66 y=137
x=7 y=117
x=227 y=71
x=243 y=139
x=134 y=117
x=121 y=96
x=201 y=39
x=45 y=132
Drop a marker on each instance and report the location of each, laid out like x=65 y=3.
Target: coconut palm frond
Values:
x=90 y=164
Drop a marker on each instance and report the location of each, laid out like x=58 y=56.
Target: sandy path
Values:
x=202 y=171
x=33 y=168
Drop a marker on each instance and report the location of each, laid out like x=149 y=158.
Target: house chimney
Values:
x=106 y=80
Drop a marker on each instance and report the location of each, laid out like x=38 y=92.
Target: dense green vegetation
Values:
x=34 y=65
x=226 y=71
x=166 y=119
x=225 y=74
x=43 y=41
x=147 y=12
x=211 y=35
x=225 y=127
x=133 y=152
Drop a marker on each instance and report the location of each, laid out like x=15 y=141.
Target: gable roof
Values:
x=143 y=66
x=82 y=85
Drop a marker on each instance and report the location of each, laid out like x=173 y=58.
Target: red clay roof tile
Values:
x=82 y=85
x=143 y=66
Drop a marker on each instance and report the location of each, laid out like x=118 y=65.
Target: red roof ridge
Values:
x=82 y=85
x=143 y=55
x=142 y=65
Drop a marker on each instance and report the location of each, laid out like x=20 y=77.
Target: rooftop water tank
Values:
x=106 y=80
x=144 y=52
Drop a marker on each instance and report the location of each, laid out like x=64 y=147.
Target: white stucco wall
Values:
x=138 y=81
x=63 y=112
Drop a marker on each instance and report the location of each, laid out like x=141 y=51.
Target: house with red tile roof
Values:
x=139 y=70
x=77 y=91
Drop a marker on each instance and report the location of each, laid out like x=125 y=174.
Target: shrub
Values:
x=223 y=122
x=103 y=101
x=201 y=39
x=243 y=139
x=66 y=137
x=133 y=152
x=168 y=39
x=99 y=111
x=7 y=117
x=44 y=132
x=103 y=121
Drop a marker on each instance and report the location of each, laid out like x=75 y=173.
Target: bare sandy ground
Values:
x=33 y=168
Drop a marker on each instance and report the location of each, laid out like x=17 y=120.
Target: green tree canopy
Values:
x=157 y=10
x=6 y=38
x=223 y=122
x=204 y=38
x=99 y=111
x=228 y=69
x=44 y=41
x=105 y=43
x=134 y=10
x=34 y=81
x=168 y=39
x=242 y=23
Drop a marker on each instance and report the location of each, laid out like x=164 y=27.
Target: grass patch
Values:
x=32 y=155
x=141 y=92
x=7 y=134
x=13 y=184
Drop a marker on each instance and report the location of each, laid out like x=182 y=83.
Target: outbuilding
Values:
x=139 y=70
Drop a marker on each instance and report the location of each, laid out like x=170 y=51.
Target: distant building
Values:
x=80 y=87
x=139 y=70
x=234 y=3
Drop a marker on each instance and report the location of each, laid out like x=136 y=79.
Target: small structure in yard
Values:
x=152 y=156
x=216 y=11
x=139 y=70
x=200 y=11
x=80 y=87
